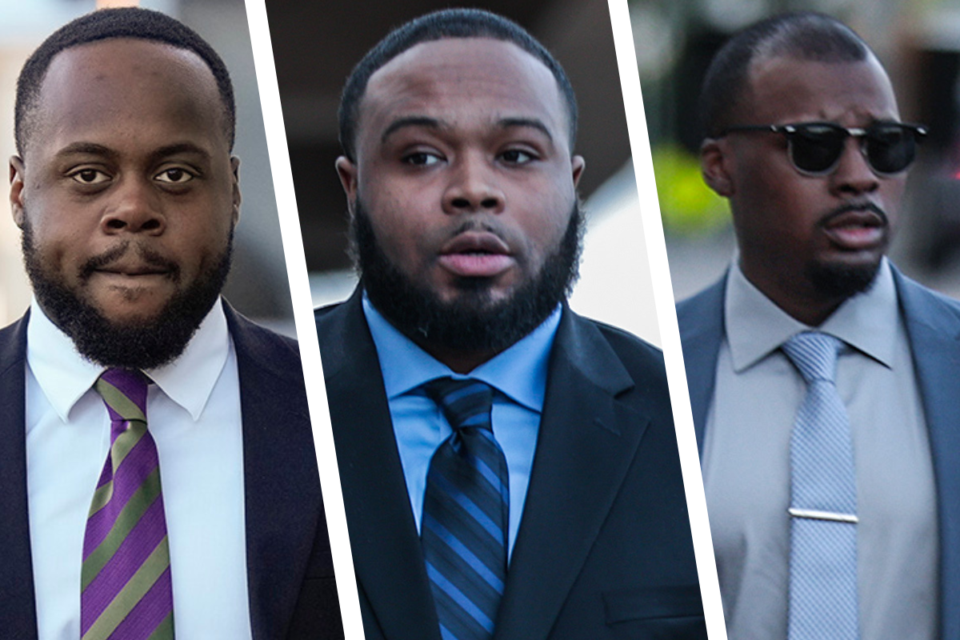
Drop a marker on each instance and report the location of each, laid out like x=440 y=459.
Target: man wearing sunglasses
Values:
x=820 y=378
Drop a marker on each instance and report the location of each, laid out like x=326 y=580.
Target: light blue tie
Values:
x=823 y=503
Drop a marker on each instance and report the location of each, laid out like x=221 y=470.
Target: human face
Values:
x=126 y=182
x=464 y=166
x=808 y=242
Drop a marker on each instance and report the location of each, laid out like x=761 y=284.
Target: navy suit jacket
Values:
x=933 y=326
x=604 y=547
x=290 y=577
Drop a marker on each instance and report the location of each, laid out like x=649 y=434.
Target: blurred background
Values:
x=316 y=45
x=918 y=42
x=258 y=282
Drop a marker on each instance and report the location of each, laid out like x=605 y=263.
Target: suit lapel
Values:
x=932 y=324
x=386 y=549
x=17 y=605
x=701 y=332
x=278 y=454
x=588 y=436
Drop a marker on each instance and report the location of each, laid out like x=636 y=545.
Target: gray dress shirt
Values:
x=746 y=469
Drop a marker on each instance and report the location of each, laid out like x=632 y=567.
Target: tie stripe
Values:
x=823 y=553
x=465 y=514
x=126 y=591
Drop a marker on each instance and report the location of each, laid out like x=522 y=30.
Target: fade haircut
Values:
x=448 y=23
x=106 y=24
x=804 y=36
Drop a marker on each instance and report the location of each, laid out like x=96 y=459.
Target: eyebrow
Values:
x=533 y=123
x=410 y=121
x=434 y=123
x=92 y=148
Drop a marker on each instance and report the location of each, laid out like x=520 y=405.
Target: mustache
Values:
x=145 y=254
x=854 y=206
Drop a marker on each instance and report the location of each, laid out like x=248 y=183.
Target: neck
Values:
x=459 y=360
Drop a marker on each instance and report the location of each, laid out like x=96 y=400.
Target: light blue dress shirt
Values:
x=518 y=376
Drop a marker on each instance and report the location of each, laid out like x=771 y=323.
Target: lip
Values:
x=861 y=229
x=476 y=254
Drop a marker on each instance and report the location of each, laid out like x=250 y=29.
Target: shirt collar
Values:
x=64 y=375
x=755 y=326
x=519 y=372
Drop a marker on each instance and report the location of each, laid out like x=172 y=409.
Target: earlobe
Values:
x=16 y=190
x=578 y=164
x=237 y=198
x=347 y=171
x=714 y=167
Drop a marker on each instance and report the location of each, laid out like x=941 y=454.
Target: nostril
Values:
x=151 y=225
x=116 y=223
x=489 y=203
x=460 y=203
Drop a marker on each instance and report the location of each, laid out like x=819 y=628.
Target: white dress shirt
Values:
x=193 y=413
x=746 y=464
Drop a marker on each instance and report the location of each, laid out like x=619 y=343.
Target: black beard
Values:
x=145 y=344
x=841 y=281
x=472 y=322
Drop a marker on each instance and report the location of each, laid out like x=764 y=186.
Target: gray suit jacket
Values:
x=933 y=325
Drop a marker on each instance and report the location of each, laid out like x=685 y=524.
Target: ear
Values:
x=16 y=189
x=237 y=198
x=714 y=165
x=347 y=171
x=578 y=164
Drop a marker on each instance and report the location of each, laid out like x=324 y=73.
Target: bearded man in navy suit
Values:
x=458 y=165
x=805 y=139
x=127 y=196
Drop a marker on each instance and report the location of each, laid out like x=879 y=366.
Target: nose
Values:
x=853 y=175
x=473 y=187
x=134 y=208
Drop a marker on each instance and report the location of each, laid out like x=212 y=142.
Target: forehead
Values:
x=112 y=85
x=461 y=79
x=784 y=89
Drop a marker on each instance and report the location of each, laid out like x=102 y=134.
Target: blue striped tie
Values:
x=465 y=514
x=823 y=502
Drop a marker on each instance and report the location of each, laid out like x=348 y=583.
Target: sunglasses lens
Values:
x=890 y=148
x=815 y=148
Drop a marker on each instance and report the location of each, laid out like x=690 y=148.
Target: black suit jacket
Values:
x=604 y=548
x=290 y=572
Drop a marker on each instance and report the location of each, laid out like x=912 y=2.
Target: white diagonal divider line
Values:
x=303 y=317
x=667 y=318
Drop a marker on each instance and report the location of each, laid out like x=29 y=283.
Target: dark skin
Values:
x=464 y=134
x=787 y=222
x=128 y=155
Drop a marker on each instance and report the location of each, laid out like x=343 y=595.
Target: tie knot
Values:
x=465 y=403
x=124 y=391
x=814 y=354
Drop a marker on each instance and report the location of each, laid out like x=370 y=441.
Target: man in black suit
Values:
x=127 y=196
x=458 y=131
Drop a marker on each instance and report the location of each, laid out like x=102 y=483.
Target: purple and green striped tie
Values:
x=466 y=514
x=125 y=580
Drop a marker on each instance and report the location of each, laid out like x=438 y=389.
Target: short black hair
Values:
x=448 y=23
x=105 y=24
x=805 y=36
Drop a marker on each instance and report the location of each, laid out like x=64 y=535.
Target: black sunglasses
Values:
x=815 y=148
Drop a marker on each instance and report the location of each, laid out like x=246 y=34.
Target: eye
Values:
x=517 y=156
x=175 y=175
x=90 y=176
x=421 y=159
